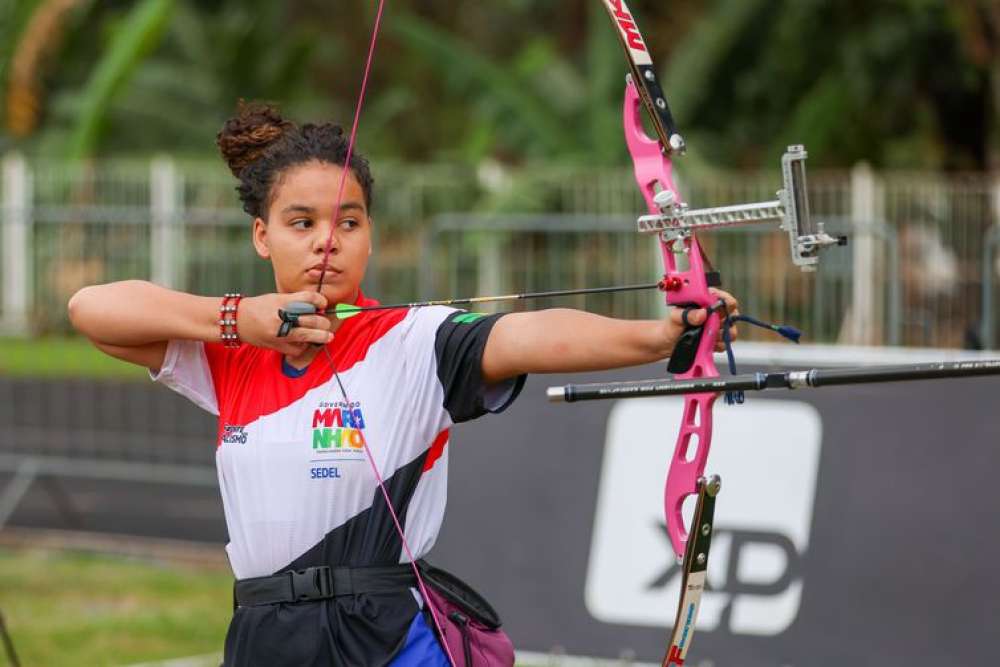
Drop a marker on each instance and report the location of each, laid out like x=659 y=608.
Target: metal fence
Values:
x=920 y=271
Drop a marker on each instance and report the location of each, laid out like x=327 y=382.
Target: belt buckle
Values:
x=311 y=583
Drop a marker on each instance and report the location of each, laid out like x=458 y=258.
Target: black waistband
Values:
x=322 y=582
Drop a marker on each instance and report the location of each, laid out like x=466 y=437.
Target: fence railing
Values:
x=921 y=269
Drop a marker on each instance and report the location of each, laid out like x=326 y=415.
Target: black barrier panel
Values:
x=899 y=565
x=118 y=420
x=903 y=545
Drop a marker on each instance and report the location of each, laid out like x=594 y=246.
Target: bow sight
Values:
x=674 y=221
x=791 y=209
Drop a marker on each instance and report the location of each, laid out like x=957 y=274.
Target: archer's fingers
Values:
x=732 y=305
x=304 y=336
x=695 y=316
x=292 y=350
x=318 y=322
x=315 y=298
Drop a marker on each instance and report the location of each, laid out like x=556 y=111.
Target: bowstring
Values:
x=319 y=288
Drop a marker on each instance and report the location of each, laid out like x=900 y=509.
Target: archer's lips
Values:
x=331 y=273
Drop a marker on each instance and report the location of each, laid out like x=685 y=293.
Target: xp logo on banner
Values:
x=762 y=520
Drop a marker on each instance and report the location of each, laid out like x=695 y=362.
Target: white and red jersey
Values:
x=296 y=485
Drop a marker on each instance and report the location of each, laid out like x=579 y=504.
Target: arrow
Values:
x=342 y=310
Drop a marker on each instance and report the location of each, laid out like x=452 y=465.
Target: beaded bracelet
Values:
x=227 y=321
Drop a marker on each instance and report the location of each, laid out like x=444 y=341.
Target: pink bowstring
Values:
x=326 y=255
x=395 y=520
x=350 y=141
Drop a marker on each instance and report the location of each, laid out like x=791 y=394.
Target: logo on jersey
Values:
x=467 y=318
x=325 y=472
x=233 y=434
x=337 y=427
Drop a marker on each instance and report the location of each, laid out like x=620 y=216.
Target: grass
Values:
x=61 y=357
x=64 y=608
x=82 y=609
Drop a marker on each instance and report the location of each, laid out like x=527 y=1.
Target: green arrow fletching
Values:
x=343 y=311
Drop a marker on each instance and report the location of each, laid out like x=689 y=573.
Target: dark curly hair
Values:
x=259 y=145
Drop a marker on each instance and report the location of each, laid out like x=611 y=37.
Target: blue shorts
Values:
x=421 y=648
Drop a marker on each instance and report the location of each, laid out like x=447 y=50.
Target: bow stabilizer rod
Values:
x=812 y=378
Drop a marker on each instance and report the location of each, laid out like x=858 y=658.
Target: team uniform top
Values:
x=297 y=488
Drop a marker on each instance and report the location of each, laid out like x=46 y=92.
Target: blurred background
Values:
x=494 y=130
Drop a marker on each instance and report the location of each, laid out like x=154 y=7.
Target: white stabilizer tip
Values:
x=555 y=394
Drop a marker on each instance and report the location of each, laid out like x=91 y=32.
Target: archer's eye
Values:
x=302 y=223
x=349 y=223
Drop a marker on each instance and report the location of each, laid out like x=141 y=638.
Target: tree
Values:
x=905 y=83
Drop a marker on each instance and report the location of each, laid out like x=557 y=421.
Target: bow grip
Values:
x=689 y=342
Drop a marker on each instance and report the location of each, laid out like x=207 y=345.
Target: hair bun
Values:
x=246 y=136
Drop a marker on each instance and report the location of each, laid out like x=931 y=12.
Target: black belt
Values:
x=322 y=582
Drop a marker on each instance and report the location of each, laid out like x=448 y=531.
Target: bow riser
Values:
x=686 y=284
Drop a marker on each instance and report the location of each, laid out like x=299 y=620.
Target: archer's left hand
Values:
x=675 y=320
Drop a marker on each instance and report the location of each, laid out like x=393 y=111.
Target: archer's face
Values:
x=299 y=220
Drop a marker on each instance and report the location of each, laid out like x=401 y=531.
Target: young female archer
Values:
x=321 y=535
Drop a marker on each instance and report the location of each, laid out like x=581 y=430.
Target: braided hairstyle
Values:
x=259 y=146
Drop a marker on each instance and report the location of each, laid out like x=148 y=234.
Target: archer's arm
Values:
x=133 y=320
x=569 y=341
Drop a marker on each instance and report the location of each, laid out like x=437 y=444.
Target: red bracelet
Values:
x=227 y=319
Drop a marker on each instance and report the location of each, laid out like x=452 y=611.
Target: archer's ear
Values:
x=259 y=234
x=371 y=223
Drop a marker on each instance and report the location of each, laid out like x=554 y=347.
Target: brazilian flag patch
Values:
x=467 y=318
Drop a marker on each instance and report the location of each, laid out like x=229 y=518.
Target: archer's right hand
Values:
x=258 y=322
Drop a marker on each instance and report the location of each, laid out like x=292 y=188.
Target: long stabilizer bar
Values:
x=815 y=377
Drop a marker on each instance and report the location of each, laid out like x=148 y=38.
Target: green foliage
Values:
x=139 y=33
x=883 y=82
x=62 y=357
x=908 y=83
x=498 y=92
x=174 y=97
x=13 y=15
